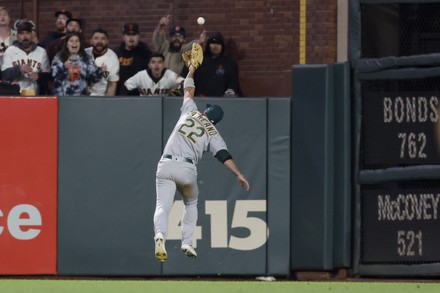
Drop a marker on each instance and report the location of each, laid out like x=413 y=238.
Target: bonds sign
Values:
x=398 y=129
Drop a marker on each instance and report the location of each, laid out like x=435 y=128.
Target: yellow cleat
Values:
x=160 y=251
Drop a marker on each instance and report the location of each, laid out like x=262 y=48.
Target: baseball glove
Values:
x=193 y=57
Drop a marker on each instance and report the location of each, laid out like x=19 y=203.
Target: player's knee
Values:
x=186 y=190
x=190 y=202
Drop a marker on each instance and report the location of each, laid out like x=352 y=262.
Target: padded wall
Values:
x=321 y=164
x=109 y=149
x=28 y=185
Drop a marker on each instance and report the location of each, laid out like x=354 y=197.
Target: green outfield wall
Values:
x=107 y=150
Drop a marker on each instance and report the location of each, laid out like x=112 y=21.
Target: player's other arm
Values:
x=188 y=85
x=224 y=157
x=230 y=164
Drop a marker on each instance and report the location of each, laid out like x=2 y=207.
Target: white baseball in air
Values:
x=201 y=20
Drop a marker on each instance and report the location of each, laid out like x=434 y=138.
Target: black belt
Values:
x=178 y=158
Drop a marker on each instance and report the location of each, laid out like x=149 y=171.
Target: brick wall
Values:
x=262 y=35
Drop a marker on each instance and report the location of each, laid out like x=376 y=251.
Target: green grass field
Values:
x=164 y=286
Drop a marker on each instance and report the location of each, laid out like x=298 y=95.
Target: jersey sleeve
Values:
x=45 y=66
x=187 y=106
x=216 y=144
x=172 y=78
x=133 y=82
x=113 y=68
x=178 y=79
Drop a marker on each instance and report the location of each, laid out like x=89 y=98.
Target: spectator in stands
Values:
x=173 y=48
x=156 y=80
x=60 y=24
x=133 y=56
x=108 y=61
x=43 y=83
x=34 y=35
x=218 y=74
x=73 y=25
x=73 y=69
x=29 y=73
x=7 y=34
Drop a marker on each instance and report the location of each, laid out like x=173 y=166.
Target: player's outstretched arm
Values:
x=230 y=164
x=188 y=85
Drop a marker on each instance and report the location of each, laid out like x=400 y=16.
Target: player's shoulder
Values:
x=188 y=105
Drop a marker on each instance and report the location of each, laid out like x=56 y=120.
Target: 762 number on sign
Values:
x=412 y=145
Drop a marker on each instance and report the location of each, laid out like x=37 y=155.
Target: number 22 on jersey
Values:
x=188 y=130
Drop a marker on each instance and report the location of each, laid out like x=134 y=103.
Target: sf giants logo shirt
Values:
x=37 y=59
x=147 y=86
x=125 y=61
x=110 y=59
x=73 y=73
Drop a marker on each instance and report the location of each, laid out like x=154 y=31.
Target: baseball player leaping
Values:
x=193 y=134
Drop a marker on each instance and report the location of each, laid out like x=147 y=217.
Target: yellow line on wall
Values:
x=302 y=31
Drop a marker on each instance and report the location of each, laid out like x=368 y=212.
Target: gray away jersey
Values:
x=193 y=135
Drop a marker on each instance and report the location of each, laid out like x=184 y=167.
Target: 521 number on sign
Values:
x=409 y=243
x=218 y=211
